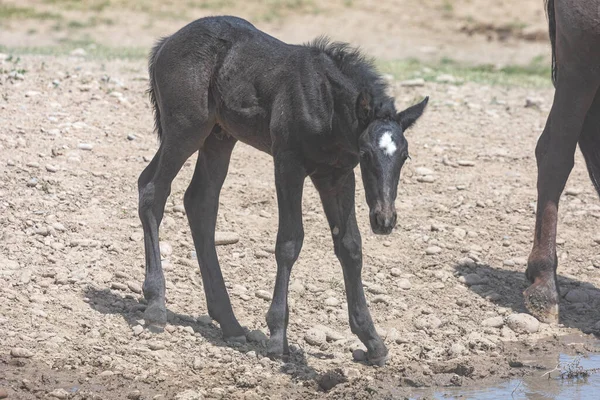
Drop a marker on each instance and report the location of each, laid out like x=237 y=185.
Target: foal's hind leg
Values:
x=154 y=185
x=555 y=158
x=202 y=204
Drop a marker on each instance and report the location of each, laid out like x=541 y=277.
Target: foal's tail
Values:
x=552 y=33
x=152 y=89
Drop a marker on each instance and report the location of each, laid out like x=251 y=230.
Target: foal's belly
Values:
x=251 y=130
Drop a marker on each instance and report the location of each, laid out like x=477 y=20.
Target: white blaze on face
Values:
x=386 y=143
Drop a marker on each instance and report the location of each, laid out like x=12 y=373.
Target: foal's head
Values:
x=383 y=151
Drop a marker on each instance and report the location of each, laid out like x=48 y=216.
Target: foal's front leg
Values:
x=337 y=196
x=289 y=182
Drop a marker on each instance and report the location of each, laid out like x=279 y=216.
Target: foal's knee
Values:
x=348 y=248
x=146 y=192
x=287 y=251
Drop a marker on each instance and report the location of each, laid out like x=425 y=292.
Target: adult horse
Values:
x=574 y=118
x=319 y=109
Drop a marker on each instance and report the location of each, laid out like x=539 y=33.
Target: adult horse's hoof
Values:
x=377 y=358
x=155 y=317
x=541 y=300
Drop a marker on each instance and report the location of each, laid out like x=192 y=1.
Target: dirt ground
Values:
x=444 y=288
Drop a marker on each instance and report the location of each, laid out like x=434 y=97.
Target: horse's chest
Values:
x=332 y=156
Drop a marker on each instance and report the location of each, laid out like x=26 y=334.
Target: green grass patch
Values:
x=93 y=50
x=534 y=74
x=8 y=11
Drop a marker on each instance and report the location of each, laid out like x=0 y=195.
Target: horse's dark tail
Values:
x=552 y=33
x=152 y=88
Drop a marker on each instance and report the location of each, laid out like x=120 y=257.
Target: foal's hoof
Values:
x=377 y=358
x=155 y=317
x=541 y=300
x=277 y=350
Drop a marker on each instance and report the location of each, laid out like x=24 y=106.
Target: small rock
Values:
x=315 y=337
x=225 y=238
x=32 y=182
x=457 y=350
x=137 y=330
x=85 y=146
x=156 y=345
x=432 y=250
x=413 y=82
x=134 y=287
x=51 y=168
x=165 y=249
x=376 y=289
x=204 y=320
x=198 y=364
x=466 y=163
x=32 y=93
x=261 y=254
x=404 y=284
x=263 y=294
x=3 y=393
x=459 y=233
x=265 y=214
x=426 y=179
x=332 y=302
x=131 y=137
x=572 y=192
x=19 y=352
x=189 y=395
x=179 y=209
x=523 y=323
x=118 y=286
x=471 y=279
x=423 y=171
x=59 y=394
x=427 y=322
x=395 y=272
x=493 y=322
x=79 y=52
x=381 y=298
x=135 y=395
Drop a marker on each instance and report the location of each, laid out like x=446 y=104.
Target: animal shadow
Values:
x=107 y=302
x=582 y=312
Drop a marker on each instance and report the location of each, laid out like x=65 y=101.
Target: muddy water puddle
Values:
x=560 y=376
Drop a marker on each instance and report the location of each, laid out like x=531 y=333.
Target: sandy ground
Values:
x=444 y=288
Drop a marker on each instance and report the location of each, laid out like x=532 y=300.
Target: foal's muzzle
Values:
x=382 y=221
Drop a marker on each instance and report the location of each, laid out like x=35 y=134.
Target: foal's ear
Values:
x=364 y=108
x=408 y=117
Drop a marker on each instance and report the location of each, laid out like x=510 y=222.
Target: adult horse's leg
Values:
x=337 y=195
x=202 y=204
x=576 y=88
x=589 y=142
x=289 y=182
x=154 y=186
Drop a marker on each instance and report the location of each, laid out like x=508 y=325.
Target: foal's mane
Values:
x=359 y=68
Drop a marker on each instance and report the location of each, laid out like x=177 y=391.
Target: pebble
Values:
x=263 y=294
x=51 y=168
x=572 y=192
x=395 y=272
x=204 y=320
x=432 y=250
x=261 y=254
x=493 y=322
x=427 y=322
x=198 y=364
x=423 y=171
x=265 y=214
x=471 y=279
x=156 y=345
x=404 y=284
x=376 y=289
x=19 y=352
x=332 y=302
x=189 y=395
x=134 y=287
x=3 y=393
x=59 y=394
x=413 y=82
x=131 y=136
x=165 y=249
x=466 y=163
x=137 y=330
x=32 y=182
x=315 y=337
x=85 y=146
x=457 y=350
x=225 y=238
x=118 y=286
x=523 y=323
x=134 y=395
x=426 y=179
